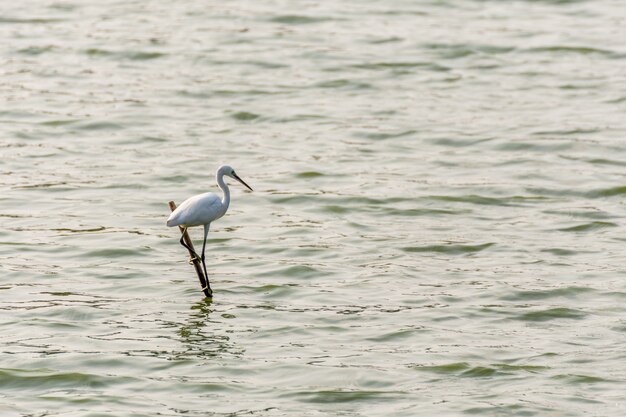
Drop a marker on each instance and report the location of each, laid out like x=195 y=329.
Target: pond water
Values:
x=436 y=227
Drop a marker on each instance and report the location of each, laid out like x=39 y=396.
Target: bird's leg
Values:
x=182 y=242
x=206 y=275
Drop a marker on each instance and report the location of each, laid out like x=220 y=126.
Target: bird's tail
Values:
x=172 y=221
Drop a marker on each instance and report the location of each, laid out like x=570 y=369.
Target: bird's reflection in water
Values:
x=203 y=336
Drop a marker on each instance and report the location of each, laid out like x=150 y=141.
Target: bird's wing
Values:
x=197 y=210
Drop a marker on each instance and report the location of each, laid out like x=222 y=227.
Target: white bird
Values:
x=202 y=209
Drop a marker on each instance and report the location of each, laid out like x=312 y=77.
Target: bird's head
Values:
x=230 y=172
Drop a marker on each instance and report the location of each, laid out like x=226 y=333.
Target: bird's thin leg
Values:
x=206 y=275
x=182 y=242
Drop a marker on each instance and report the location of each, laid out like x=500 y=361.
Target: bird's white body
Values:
x=198 y=211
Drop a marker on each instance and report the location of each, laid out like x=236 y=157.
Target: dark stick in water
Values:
x=197 y=263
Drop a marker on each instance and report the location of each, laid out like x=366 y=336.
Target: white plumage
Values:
x=198 y=210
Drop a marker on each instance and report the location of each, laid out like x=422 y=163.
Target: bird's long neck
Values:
x=224 y=187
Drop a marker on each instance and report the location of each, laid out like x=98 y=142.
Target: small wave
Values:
x=592 y=213
x=244 y=116
x=336 y=209
x=464 y=369
x=459 y=143
x=129 y=55
x=415 y=212
x=607 y=192
x=587 y=227
x=57 y=185
x=86 y=230
x=57 y=123
x=45 y=378
x=449 y=249
x=605 y=161
x=36 y=50
x=387 y=135
x=344 y=83
x=565 y=132
x=35 y=21
x=319 y=199
x=581 y=50
x=395 y=335
x=115 y=253
x=482 y=200
x=448 y=368
x=401 y=65
x=309 y=174
x=455 y=51
x=560 y=251
x=581 y=379
x=379 y=41
x=551 y=146
x=142 y=55
x=552 y=314
x=298 y=271
x=292 y=19
x=567 y=292
x=341 y=396
x=99 y=126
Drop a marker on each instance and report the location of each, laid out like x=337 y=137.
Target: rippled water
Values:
x=436 y=227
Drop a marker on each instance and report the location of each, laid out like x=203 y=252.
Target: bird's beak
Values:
x=242 y=181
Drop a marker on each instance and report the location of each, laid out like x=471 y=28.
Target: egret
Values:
x=202 y=209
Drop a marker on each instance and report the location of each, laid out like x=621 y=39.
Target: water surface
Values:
x=436 y=226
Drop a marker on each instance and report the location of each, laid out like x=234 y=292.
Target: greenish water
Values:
x=437 y=226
